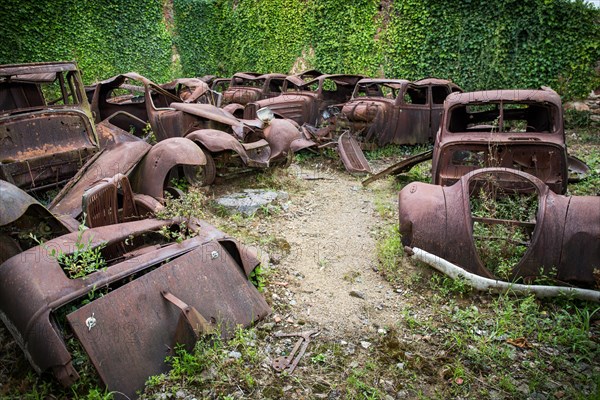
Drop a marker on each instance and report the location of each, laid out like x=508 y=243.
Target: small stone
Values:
x=354 y=364
x=559 y=395
x=357 y=294
x=292 y=302
x=234 y=354
x=364 y=344
x=277 y=319
x=267 y=326
x=381 y=331
x=400 y=366
x=289 y=321
x=343 y=342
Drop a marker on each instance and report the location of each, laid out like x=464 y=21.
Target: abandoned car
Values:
x=46 y=129
x=506 y=224
x=130 y=292
x=519 y=129
x=233 y=142
x=308 y=102
x=385 y=111
x=247 y=87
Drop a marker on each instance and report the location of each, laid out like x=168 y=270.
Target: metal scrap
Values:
x=290 y=362
x=560 y=239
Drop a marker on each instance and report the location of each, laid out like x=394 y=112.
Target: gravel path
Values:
x=332 y=260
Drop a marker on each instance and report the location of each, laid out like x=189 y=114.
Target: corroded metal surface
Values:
x=520 y=129
x=563 y=240
x=309 y=100
x=46 y=132
x=245 y=88
x=352 y=156
x=118 y=159
x=137 y=327
x=151 y=173
x=397 y=111
x=208 y=272
x=22 y=215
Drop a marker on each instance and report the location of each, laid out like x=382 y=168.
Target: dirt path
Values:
x=333 y=256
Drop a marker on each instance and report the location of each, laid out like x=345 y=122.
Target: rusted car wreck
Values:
x=519 y=129
x=46 y=129
x=150 y=293
x=246 y=87
x=308 y=102
x=505 y=224
x=386 y=111
x=225 y=140
x=147 y=285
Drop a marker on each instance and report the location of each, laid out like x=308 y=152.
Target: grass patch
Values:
x=389 y=253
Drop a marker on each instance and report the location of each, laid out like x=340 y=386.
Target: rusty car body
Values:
x=236 y=143
x=555 y=236
x=156 y=293
x=308 y=102
x=386 y=111
x=520 y=129
x=46 y=129
x=247 y=87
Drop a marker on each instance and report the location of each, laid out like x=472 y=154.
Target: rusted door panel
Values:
x=44 y=147
x=352 y=156
x=119 y=159
x=135 y=326
x=415 y=122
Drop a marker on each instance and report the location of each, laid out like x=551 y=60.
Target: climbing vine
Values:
x=105 y=37
x=478 y=44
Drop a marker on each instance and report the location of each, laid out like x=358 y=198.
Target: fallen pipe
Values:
x=484 y=284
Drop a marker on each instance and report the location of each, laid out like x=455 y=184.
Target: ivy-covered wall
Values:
x=105 y=37
x=480 y=44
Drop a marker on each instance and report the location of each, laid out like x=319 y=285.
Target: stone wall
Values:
x=591 y=104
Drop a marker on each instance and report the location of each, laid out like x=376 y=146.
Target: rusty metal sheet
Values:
x=120 y=158
x=39 y=278
x=216 y=141
x=47 y=146
x=280 y=134
x=21 y=215
x=207 y=111
x=440 y=220
x=578 y=169
x=150 y=174
x=352 y=156
x=135 y=326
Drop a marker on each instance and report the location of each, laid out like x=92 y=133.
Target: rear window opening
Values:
x=415 y=95
x=39 y=90
x=504 y=117
x=504 y=220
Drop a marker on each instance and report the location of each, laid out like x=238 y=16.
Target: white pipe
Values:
x=484 y=284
